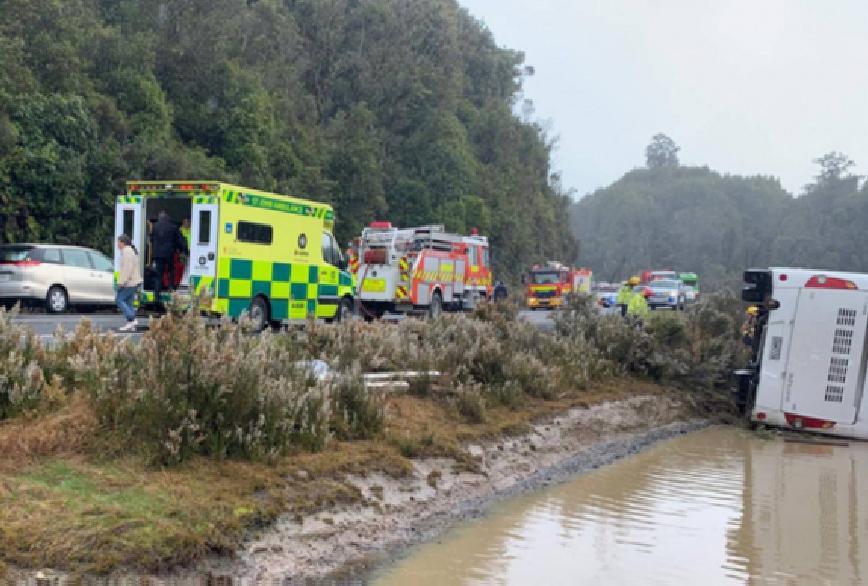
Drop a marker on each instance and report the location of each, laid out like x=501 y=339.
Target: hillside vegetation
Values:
x=693 y=218
x=386 y=108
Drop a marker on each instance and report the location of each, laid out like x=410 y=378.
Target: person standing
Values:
x=625 y=294
x=185 y=231
x=129 y=281
x=637 y=309
x=166 y=240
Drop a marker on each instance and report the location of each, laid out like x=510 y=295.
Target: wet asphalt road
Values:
x=44 y=325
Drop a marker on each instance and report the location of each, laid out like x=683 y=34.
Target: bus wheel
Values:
x=259 y=318
x=345 y=310
x=435 y=310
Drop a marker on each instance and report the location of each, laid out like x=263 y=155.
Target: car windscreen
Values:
x=16 y=253
x=662 y=284
x=551 y=278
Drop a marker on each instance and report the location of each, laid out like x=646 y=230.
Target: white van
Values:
x=808 y=369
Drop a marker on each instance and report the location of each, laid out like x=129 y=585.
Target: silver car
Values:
x=666 y=293
x=55 y=276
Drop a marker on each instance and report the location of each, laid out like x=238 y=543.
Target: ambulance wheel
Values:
x=258 y=311
x=344 y=312
x=435 y=310
x=57 y=300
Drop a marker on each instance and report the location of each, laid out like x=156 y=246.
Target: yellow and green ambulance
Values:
x=271 y=256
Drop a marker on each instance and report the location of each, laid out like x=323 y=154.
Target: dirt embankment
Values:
x=398 y=512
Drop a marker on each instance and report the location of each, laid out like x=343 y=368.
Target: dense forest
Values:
x=693 y=218
x=397 y=109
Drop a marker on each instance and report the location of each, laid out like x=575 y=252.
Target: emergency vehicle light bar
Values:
x=173 y=187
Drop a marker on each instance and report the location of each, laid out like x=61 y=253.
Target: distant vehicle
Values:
x=666 y=293
x=55 y=276
x=691 y=279
x=691 y=295
x=656 y=275
x=808 y=363
x=606 y=294
x=552 y=284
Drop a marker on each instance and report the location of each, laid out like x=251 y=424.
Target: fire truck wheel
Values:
x=435 y=310
x=259 y=314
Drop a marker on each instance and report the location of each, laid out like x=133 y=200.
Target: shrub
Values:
x=185 y=389
x=356 y=413
x=22 y=379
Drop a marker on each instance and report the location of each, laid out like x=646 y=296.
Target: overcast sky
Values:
x=743 y=86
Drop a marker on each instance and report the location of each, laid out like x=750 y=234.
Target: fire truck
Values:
x=551 y=285
x=421 y=270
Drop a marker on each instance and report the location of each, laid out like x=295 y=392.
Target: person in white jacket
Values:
x=129 y=281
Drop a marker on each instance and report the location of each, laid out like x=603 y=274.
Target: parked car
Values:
x=55 y=276
x=666 y=293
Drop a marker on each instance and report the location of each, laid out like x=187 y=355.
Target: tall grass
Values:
x=189 y=389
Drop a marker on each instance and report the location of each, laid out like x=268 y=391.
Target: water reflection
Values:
x=718 y=506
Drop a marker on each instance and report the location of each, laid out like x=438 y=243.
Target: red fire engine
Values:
x=423 y=269
x=551 y=284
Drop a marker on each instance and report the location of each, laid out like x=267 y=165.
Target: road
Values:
x=44 y=325
x=541 y=319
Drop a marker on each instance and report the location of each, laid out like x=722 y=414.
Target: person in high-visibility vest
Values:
x=638 y=306
x=625 y=294
x=185 y=231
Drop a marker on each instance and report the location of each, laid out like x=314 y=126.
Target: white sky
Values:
x=743 y=86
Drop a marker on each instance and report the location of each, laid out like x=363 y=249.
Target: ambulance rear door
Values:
x=129 y=220
x=204 y=225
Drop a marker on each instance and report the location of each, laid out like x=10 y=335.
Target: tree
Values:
x=661 y=152
x=834 y=166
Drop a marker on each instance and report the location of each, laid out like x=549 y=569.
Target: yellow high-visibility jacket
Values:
x=638 y=306
x=624 y=295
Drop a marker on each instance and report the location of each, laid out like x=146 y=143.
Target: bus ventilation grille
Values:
x=842 y=342
x=834 y=394
x=838 y=370
x=846 y=317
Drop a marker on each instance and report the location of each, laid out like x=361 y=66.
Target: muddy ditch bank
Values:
x=347 y=543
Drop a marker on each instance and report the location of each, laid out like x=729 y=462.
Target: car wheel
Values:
x=258 y=312
x=57 y=300
x=435 y=310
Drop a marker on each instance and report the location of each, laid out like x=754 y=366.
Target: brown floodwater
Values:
x=718 y=506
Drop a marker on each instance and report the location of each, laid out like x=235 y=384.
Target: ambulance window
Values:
x=330 y=253
x=474 y=256
x=486 y=260
x=204 y=236
x=129 y=216
x=254 y=233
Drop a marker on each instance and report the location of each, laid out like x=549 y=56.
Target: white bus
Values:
x=809 y=362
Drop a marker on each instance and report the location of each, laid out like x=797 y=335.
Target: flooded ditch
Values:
x=721 y=505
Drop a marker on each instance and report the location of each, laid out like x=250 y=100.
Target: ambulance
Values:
x=809 y=353
x=251 y=252
x=421 y=270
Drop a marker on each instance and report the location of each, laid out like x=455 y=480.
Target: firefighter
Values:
x=748 y=328
x=625 y=294
x=637 y=309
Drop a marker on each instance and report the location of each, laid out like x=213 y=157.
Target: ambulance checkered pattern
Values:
x=293 y=290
